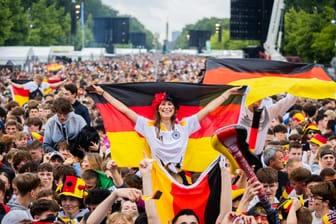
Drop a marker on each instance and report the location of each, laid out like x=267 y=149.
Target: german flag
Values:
x=267 y=78
x=54 y=67
x=21 y=95
x=203 y=197
x=127 y=146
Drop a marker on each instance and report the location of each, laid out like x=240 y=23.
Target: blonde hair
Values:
x=39 y=77
x=94 y=160
x=119 y=218
x=11 y=153
x=19 y=135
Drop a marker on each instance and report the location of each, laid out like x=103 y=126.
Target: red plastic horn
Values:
x=233 y=138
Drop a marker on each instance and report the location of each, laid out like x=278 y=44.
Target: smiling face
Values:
x=129 y=207
x=166 y=109
x=70 y=205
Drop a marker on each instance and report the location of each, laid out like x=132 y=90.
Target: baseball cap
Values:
x=56 y=154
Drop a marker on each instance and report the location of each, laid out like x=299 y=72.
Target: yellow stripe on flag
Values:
x=163 y=182
x=268 y=86
x=21 y=100
x=199 y=152
x=132 y=154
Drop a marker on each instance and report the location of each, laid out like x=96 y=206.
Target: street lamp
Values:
x=219 y=32
x=77 y=10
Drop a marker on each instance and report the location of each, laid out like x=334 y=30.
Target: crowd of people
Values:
x=55 y=155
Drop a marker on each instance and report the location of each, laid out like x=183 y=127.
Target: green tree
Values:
x=19 y=21
x=210 y=24
x=309 y=35
x=323 y=44
x=97 y=9
x=136 y=26
x=88 y=34
x=5 y=23
x=309 y=6
x=49 y=26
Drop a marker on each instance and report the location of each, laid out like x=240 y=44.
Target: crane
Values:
x=274 y=35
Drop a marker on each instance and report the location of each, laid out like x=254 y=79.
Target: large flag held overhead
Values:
x=203 y=196
x=267 y=78
x=127 y=146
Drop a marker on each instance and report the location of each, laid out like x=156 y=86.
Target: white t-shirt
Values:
x=171 y=145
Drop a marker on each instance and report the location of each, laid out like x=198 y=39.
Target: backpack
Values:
x=36 y=93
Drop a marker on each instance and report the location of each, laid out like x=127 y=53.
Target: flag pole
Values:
x=82 y=24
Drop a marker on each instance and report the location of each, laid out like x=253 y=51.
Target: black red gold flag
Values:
x=203 y=196
x=21 y=95
x=267 y=78
x=127 y=146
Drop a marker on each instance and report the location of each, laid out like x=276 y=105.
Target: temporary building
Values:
x=92 y=53
x=42 y=54
x=17 y=56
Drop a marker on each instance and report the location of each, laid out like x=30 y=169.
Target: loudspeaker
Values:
x=250 y=19
x=101 y=30
x=110 y=49
x=138 y=39
x=111 y=30
x=197 y=38
x=120 y=30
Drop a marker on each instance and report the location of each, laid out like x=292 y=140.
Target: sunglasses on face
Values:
x=312 y=132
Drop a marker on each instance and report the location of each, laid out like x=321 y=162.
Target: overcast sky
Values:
x=153 y=14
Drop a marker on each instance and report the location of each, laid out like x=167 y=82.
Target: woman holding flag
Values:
x=166 y=137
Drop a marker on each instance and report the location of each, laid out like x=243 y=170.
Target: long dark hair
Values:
x=157 y=120
x=157 y=117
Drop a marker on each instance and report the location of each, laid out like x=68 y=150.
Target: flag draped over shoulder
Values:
x=266 y=78
x=203 y=197
x=21 y=95
x=127 y=146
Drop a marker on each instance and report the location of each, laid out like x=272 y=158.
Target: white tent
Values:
x=66 y=51
x=17 y=56
x=42 y=54
x=128 y=51
x=22 y=56
x=92 y=53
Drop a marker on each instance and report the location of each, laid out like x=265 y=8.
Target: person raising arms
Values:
x=167 y=139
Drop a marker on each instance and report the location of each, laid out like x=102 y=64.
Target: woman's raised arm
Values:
x=212 y=105
x=116 y=103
